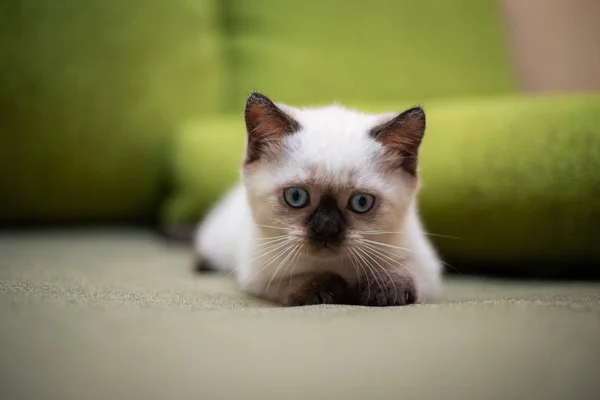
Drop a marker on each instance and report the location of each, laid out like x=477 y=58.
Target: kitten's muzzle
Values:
x=326 y=226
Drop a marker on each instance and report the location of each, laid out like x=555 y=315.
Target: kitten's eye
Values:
x=361 y=203
x=296 y=197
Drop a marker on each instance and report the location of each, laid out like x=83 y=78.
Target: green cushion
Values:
x=384 y=50
x=89 y=92
x=516 y=179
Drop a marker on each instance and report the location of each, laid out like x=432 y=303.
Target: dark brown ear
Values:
x=266 y=125
x=402 y=137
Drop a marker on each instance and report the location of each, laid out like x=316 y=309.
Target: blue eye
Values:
x=361 y=203
x=296 y=197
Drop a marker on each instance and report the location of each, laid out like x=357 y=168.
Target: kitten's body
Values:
x=324 y=252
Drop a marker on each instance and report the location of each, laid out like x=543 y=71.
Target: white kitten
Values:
x=326 y=210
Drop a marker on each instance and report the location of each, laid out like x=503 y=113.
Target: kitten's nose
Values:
x=327 y=225
x=326 y=231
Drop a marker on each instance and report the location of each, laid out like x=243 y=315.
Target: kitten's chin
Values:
x=321 y=252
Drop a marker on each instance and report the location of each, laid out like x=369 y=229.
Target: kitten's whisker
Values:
x=267 y=238
x=369 y=254
x=403 y=266
x=368 y=245
x=448 y=265
x=278 y=240
x=398 y=255
x=274 y=247
x=442 y=236
x=378 y=232
x=281 y=263
x=380 y=255
x=385 y=245
x=345 y=261
x=275 y=227
x=383 y=251
x=300 y=254
x=273 y=259
x=377 y=278
x=270 y=246
x=398 y=232
x=291 y=262
x=347 y=257
x=266 y=243
x=363 y=271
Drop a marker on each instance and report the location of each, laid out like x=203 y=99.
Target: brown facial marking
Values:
x=398 y=291
x=319 y=288
x=266 y=124
x=328 y=207
x=402 y=137
x=327 y=224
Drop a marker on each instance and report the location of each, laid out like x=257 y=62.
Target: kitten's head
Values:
x=329 y=177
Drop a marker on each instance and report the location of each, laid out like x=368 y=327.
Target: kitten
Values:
x=326 y=209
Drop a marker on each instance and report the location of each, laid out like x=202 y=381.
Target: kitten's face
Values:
x=329 y=178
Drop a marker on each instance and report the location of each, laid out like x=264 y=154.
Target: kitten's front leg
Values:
x=397 y=289
x=313 y=288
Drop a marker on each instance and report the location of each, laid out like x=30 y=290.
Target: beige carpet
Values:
x=117 y=314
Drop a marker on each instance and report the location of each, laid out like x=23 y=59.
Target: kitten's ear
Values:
x=402 y=136
x=266 y=125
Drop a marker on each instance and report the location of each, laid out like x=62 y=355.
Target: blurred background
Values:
x=121 y=124
x=129 y=112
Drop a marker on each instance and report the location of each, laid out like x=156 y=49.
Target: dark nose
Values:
x=327 y=225
x=326 y=230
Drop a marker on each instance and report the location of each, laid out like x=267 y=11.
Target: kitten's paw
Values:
x=397 y=291
x=202 y=265
x=320 y=288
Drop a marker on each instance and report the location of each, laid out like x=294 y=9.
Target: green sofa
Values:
x=120 y=121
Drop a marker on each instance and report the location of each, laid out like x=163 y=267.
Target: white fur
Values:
x=332 y=146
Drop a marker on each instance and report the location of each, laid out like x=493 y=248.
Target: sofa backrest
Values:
x=353 y=51
x=89 y=94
